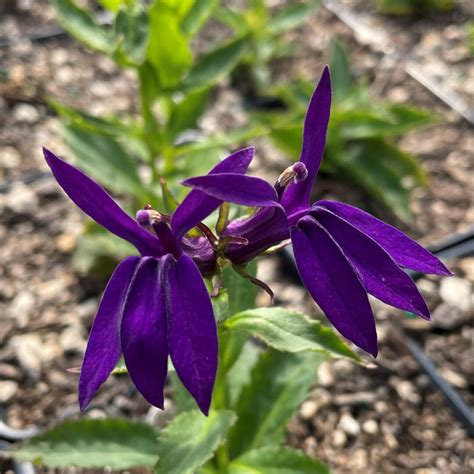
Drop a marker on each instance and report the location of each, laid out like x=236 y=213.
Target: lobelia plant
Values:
x=157 y=305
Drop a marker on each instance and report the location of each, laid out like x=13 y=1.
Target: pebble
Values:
x=326 y=375
x=456 y=292
x=160 y=418
x=349 y=424
x=406 y=391
x=427 y=288
x=308 y=409
x=453 y=378
x=8 y=389
x=339 y=438
x=96 y=414
x=360 y=460
x=448 y=317
x=21 y=308
x=9 y=158
x=467 y=266
x=71 y=339
x=20 y=199
x=26 y=113
x=370 y=427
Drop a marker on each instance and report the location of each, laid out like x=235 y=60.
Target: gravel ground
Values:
x=381 y=418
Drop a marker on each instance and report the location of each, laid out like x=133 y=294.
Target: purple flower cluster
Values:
x=156 y=305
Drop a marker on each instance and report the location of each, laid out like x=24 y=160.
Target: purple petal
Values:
x=236 y=188
x=405 y=251
x=144 y=330
x=98 y=205
x=380 y=275
x=103 y=349
x=333 y=284
x=297 y=195
x=197 y=205
x=192 y=335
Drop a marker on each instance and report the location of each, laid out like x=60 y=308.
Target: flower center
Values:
x=294 y=173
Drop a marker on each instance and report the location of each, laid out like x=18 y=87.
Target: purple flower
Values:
x=342 y=253
x=155 y=304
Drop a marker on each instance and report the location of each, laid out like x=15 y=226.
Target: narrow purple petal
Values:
x=98 y=205
x=144 y=332
x=192 y=335
x=332 y=282
x=236 y=188
x=197 y=205
x=103 y=349
x=380 y=275
x=297 y=195
x=404 y=250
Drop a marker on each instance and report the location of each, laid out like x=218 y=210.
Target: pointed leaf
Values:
x=118 y=444
x=190 y=440
x=276 y=460
x=289 y=331
x=79 y=23
x=279 y=384
x=198 y=14
x=291 y=16
x=341 y=74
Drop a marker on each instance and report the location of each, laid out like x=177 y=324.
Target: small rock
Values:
x=308 y=409
x=453 y=378
x=9 y=158
x=370 y=426
x=360 y=460
x=448 y=317
x=343 y=367
x=96 y=414
x=22 y=307
x=349 y=425
x=71 y=339
x=160 y=418
x=20 y=199
x=8 y=371
x=326 y=375
x=427 y=287
x=8 y=389
x=456 y=292
x=467 y=266
x=406 y=391
x=26 y=113
x=66 y=243
x=339 y=439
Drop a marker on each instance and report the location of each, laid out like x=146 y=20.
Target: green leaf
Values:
x=291 y=16
x=279 y=384
x=79 y=23
x=233 y=19
x=289 y=331
x=168 y=49
x=213 y=66
x=131 y=30
x=104 y=125
x=103 y=158
x=276 y=460
x=190 y=440
x=118 y=444
x=341 y=75
x=239 y=374
x=195 y=18
x=242 y=293
x=186 y=113
x=112 y=5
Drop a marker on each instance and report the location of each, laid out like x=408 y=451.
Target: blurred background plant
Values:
x=144 y=156
x=361 y=145
x=410 y=7
x=264 y=29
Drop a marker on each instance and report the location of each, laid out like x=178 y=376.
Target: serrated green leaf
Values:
x=276 y=460
x=289 y=331
x=103 y=158
x=213 y=66
x=198 y=14
x=118 y=444
x=291 y=16
x=81 y=25
x=168 y=49
x=279 y=384
x=190 y=440
x=341 y=75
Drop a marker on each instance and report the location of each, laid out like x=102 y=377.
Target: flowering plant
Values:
x=157 y=305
